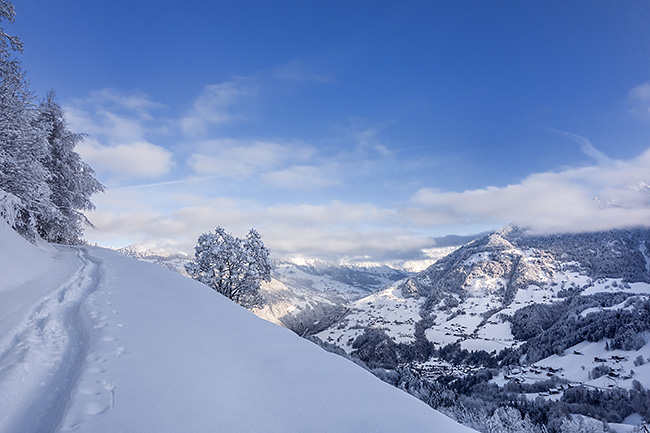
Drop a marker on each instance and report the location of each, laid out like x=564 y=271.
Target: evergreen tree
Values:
x=44 y=185
x=22 y=144
x=578 y=424
x=71 y=181
x=8 y=43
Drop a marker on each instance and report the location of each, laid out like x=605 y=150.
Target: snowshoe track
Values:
x=51 y=345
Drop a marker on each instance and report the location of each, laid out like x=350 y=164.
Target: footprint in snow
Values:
x=99 y=358
x=90 y=391
x=96 y=408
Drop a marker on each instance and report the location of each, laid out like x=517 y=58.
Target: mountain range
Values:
x=536 y=316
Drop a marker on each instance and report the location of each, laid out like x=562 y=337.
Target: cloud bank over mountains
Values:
x=172 y=176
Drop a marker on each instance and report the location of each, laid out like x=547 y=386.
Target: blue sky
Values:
x=346 y=129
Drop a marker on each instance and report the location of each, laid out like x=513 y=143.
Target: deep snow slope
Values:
x=98 y=342
x=305 y=296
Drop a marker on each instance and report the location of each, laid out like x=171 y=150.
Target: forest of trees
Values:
x=44 y=184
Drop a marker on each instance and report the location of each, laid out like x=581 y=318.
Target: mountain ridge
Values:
x=512 y=301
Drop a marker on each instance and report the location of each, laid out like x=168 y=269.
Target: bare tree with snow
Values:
x=232 y=266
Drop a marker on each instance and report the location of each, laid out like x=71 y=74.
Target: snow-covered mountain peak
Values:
x=498 y=242
x=148 y=249
x=304 y=261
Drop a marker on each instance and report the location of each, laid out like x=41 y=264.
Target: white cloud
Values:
x=578 y=199
x=608 y=195
x=331 y=214
x=112 y=114
x=238 y=159
x=368 y=139
x=136 y=103
x=343 y=244
x=330 y=231
x=638 y=99
x=296 y=70
x=303 y=177
x=587 y=148
x=217 y=104
x=138 y=159
x=117 y=126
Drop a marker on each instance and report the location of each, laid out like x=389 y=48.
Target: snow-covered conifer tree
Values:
x=71 y=181
x=22 y=144
x=579 y=424
x=232 y=266
x=48 y=183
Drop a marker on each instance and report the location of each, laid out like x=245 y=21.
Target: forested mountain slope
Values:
x=525 y=313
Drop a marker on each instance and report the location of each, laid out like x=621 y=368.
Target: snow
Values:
x=477 y=258
x=27 y=259
x=576 y=362
x=619 y=306
x=93 y=341
x=615 y=285
x=388 y=310
x=628 y=424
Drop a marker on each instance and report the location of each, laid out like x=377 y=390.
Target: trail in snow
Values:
x=40 y=366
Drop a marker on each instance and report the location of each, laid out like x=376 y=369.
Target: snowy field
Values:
x=92 y=341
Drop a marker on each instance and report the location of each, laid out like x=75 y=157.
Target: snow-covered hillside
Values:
x=305 y=296
x=93 y=341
